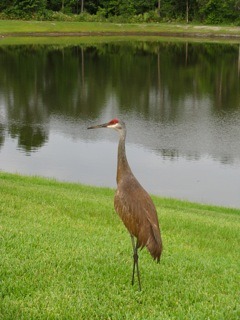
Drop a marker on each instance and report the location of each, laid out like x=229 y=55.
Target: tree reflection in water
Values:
x=189 y=87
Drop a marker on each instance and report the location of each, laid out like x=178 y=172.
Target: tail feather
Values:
x=154 y=244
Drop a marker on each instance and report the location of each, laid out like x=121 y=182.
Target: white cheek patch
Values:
x=114 y=126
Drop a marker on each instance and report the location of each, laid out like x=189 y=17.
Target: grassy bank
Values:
x=13 y=28
x=65 y=254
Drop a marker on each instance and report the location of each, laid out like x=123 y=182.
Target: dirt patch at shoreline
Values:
x=126 y=33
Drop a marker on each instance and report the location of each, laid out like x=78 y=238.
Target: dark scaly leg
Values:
x=135 y=263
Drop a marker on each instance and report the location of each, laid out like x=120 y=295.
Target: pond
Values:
x=179 y=100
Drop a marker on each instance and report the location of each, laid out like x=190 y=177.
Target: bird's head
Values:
x=113 y=124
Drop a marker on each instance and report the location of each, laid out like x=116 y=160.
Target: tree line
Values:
x=204 y=11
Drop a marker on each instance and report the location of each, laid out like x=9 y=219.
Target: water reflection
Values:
x=180 y=100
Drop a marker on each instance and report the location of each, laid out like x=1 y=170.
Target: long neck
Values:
x=122 y=165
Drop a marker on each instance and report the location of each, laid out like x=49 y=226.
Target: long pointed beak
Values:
x=104 y=125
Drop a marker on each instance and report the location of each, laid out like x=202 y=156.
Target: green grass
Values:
x=8 y=27
x=65 y=33
x=93 y=40
x=65 y=254
x=76 y=33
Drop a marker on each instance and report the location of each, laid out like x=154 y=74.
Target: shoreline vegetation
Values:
x=18 y=28
x=65 y=254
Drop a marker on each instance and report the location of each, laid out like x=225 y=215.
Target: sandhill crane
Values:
x=133 y=204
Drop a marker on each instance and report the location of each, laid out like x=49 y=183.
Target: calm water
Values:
x=180 y=101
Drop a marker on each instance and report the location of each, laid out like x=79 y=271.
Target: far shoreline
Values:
x=120 y=34
x=20 y=28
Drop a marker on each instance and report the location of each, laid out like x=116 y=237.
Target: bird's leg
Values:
x=135 y=263
x=134 y=259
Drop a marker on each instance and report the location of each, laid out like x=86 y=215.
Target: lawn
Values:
x=11 y=27
x=65 y=254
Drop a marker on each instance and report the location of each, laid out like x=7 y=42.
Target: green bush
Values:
x=118 y=19
x=137 y=19
x=60 y=16
x=101 y=14
x=86 y=17
x=151 y=16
